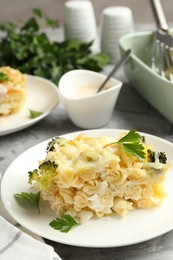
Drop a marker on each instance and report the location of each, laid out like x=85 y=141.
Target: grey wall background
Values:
x=14 y=10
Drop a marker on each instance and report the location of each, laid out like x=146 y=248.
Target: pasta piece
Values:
x=121 y=206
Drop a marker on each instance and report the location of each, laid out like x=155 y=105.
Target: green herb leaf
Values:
x=32 y=198
x=37 y=12
x=34 y=114
x=3 y=76
x=31 y=26
x=101 y=58
x=31 y=51
x=64 y=224
x=8 y=27
x=51 y=23
x=132 y=144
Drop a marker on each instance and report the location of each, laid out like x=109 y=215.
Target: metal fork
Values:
x=162 y=43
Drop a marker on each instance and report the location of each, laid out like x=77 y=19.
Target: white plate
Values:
x=137 y=226
x=42 y=95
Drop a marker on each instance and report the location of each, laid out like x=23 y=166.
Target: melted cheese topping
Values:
x=94 y=177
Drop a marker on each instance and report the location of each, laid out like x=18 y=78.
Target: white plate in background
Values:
x=138 y=226
x=42 y=96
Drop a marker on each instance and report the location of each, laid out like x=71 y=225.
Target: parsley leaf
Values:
x=32 y=198
x=37 y=12
x=132 y=144
x=3 y=76
x=64 y=224
x=34 y=114
x=51 y=23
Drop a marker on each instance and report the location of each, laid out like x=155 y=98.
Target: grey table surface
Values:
x=131 y=111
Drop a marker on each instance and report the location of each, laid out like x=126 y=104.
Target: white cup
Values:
x=92 y=111
x=116 y=21
x=79 y=21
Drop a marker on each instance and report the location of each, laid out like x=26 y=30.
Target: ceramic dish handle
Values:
x=159 y=15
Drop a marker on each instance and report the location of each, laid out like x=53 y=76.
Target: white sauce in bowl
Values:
x=85 y=90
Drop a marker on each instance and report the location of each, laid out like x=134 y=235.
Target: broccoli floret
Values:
x=56 y=140
x=161 y=156
x=44 y=174
x=143 y=139
x=47 y=171
x=33 y=176
x=151 y=155
x=50 y=145
x=47 y=166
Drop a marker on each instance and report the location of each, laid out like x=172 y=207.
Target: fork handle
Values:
x=159 y=15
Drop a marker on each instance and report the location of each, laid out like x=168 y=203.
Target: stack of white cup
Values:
x=116 y=21
x=79 y=21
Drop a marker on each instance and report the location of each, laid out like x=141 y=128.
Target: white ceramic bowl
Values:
x=95 y=110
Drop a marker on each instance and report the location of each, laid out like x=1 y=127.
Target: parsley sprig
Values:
x=64 y=224
x=33 y=113
x=30 y=50
x=31 y=198
x=132 y=144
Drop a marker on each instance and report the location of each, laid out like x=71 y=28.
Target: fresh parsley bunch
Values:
x=31 y=51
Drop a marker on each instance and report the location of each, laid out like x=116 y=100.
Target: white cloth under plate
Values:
x=17 y=245
x=20 y=244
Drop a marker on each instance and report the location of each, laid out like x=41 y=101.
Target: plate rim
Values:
x=159 y=233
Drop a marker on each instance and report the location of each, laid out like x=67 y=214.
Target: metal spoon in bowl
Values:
x=123 y=58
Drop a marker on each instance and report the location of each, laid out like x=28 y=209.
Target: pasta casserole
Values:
x=12 y=90
x=96 y=176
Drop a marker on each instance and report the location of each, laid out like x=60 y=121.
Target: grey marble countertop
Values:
x=131 y=111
